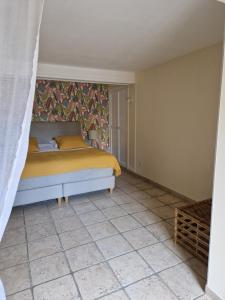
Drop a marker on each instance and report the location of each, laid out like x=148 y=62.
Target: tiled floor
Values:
x=100 y=246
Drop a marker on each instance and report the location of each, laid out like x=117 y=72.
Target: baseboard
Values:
x=162 y=187
x=211 y=294
x=130 y=169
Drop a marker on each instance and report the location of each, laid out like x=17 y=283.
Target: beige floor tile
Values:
x=59 y=289
x=146 y=218
x=125 y=223
x=15 y=222
x=92 y=217
x=134 y=180
x=159 y=257
x=83 y=256
x=44 y=247
x=37 y=217
x=140 y=238
x=151 y=202
x=17 y=211
x=120 y=295
x=150 y=289
x=198 y=266
x=67 y=224
x=96 y=281
x=120 y=181
x=84 y=207
x=114 y=246
x=13 y=237
x=162 y=231
x=132 y=208
x=169 y=199
x=122 y=198
x=183 y=281
x=15 y=279
x=124 y=180
x=78 y=199
x=139 y=195
x=116 y=189
x=117 y=192
x=155 y=192
x=129 y=268
x=38 y=231
x=62 y=212
x=178 y=250
x=101 y=230
x=129 y=189
x=98 y=195
x=13 y=255
x=114 y=212
x=144 y=186
x=164 y=212
x=75 y=238
x=48 y=268
x=104 y=203
x=24 y=295
x=35 y=208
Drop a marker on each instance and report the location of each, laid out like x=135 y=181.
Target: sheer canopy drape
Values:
x=19 y=36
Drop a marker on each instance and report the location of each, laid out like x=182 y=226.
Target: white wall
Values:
x=216 y=268
x=131 y=127
x=177 y=106
x=61 y=72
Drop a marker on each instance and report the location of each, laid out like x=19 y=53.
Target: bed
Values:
x=65 y=182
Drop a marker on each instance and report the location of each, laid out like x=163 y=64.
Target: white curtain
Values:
x=19 y=36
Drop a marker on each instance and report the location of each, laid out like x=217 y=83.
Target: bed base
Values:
x=28 y=194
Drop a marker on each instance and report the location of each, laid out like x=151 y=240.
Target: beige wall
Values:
x=176 y=115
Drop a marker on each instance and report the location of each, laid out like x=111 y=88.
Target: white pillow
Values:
x=50 y=146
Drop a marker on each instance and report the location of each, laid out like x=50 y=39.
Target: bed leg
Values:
x=59 y=200
x=66 y=200
x=110 y=190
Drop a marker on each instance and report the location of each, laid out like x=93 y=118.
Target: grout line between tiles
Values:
x=121 y=289
x=78 y=290
x=28 y=262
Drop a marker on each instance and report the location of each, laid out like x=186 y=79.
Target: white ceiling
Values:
x=127 y=34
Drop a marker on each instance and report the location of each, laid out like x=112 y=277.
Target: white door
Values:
x=118 y=123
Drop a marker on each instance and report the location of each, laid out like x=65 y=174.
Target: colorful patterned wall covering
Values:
x=86 y=103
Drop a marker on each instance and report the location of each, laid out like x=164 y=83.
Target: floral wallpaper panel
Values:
x=87 y=103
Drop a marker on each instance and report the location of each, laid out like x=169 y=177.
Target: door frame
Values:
x=117 y=89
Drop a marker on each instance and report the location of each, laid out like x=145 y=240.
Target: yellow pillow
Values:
x=70 y=142
x=33 y=145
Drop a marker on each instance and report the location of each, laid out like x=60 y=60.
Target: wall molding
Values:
x=62 y=72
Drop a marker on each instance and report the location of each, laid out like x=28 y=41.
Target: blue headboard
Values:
x=45 y=131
